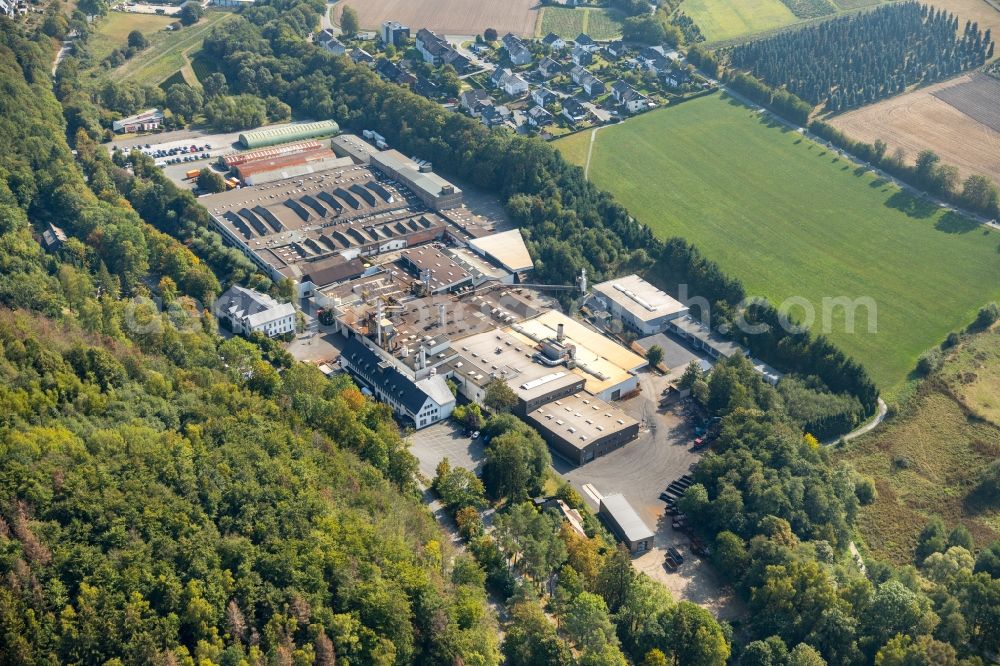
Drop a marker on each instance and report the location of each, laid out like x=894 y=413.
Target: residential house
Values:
x=616 y=49
x=549 y=68
x=329 y=41
x=361 y=57
x=514 y=85
x=543 y=96
x=583 y=40
x=432 y=48
x=629 y=98
x=426 y=88
x=458 y=61
x=577 y=74
x=592 y=85
x=539 y=117
x=582 y=56
x=494 y=115
x=554 y=42
x=677 y=77
x=394 y=33
x=416 y=402
x=53 y=237
x=573 y=110
x=393 y=73
x=496 y=78
x=657 y=58
x=248 y=311
x=147 y=121
x=517 y=51
x=474 y=100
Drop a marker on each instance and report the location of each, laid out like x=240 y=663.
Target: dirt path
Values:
x=871 y=425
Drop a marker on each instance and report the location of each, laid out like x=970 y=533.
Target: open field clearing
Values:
x=918 y=121
x=973 y=376
x=169 y=52
x=452 y=17
x=926 y=461
x=727 y=19
x=790 y=218
x=568 y=23
x=112 y=31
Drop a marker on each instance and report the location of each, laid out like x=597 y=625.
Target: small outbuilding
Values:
x=626 y=524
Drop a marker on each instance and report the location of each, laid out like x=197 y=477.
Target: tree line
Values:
x=978 y=193
x=856 y=60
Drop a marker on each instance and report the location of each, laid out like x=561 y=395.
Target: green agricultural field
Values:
x=112 y=31
x=789 y=218
x=720 y=20
x=170 y=52
x=568 y=23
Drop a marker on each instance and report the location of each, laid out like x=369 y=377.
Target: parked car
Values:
x=676 y=554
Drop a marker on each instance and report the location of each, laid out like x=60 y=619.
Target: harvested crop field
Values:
x=451 y=17
x=919 y=120
x=979 y=99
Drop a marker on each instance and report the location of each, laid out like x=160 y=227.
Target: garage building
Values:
x=622 y=519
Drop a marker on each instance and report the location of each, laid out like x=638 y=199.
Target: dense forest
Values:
x=780 y=516
x=855 y=60
x=170 y=498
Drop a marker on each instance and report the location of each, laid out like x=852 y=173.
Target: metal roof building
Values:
x=507 y=248
x=622 y=519
x=270 y=136
x=638 y=304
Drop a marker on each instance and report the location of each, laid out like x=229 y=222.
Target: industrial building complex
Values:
x=428 y=297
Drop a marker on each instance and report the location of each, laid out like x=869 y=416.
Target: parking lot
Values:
x=446 y=440
x=640 y=471
x=181 y=142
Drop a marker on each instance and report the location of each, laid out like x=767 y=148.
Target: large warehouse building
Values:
x=639 y=305
x=272 y=136
x=582 y=427
x=436 y=192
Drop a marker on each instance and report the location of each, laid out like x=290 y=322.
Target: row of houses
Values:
x=436 y=51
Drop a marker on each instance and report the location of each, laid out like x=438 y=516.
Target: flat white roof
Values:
x=601 y=361
x=507 y=248
x=639 y=298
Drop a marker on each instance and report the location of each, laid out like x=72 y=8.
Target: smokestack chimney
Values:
x=441 y=315
x=423 y=357
x=560 y=330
